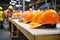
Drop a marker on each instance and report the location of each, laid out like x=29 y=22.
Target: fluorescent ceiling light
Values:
x=13 y=4
x=13 y=1
x=28 y=0
x=10 y=3
x=18 y=5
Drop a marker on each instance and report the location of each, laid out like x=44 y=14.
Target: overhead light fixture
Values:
x=18 y=5
x=10 y=3
x=28 y=0
x=13 y=1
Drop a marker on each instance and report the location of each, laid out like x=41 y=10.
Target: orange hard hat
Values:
x=24 y=14
x=16 y=15
x=13 y=15
x=49 y=17
x=29 y=17
x=36 y=16
x=34 y=23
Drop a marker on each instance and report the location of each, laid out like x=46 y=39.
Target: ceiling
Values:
x=5 y=1
x=8 y=1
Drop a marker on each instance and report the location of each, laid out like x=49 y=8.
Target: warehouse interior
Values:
x=29 y=19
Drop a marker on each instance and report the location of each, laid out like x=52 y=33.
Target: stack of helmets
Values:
x=47 y=17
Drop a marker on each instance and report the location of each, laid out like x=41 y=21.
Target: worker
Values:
x=9 y=14
x=1 y=17
x=10 y=11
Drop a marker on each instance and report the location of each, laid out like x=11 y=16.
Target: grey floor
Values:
x=4 y=34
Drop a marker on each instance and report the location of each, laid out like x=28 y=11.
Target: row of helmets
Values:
x=41 y=17
x=35 y=19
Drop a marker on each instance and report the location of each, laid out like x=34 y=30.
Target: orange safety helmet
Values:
x=13 y=15
x=34 y=23
x=29 y=17
x=49 y=17
x=24 y=14
x=36 y=16
x=16 y=15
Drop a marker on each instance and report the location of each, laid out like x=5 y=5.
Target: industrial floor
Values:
x=4 y=34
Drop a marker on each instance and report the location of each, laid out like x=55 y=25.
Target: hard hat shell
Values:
x=16 y=15
x=49 y=17
x=19 y=14
x=10 y=7
x=34 y=23
x=24 y=14
x=37 y=15
x=0 y=8
x=29 y=17
x=13 y=15
x=30 y=9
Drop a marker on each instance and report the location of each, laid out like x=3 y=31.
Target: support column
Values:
x=23 y=5
x=55 y=5
x=19 y=4
x=46 y=2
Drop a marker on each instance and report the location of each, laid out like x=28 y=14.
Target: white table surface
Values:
x=38 y=31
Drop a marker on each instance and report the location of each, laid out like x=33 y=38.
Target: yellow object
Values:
x=36 y=16
x=0 y=8
x=10 y=7
x=30 y=9
x=34 y=25
x=13 y=10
